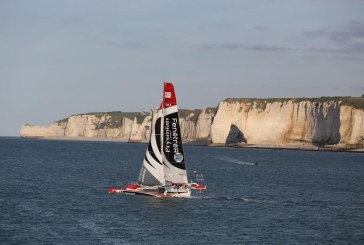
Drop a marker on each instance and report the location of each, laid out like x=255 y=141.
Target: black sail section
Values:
x=157 y=138
x=146 y=159
x=151 y=152
x=157 y=129
x=172 y=143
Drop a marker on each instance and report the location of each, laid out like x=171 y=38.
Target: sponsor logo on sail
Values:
x=167 y=95
x=178 y=157
x=171 y=135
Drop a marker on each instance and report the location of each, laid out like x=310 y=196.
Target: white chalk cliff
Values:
x=242 y=122
x=288 y=122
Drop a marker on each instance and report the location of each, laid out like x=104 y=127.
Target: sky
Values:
x=65 y=57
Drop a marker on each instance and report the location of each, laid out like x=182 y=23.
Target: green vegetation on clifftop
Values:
x=192 y=114
x=355 y=102
x=114 y=118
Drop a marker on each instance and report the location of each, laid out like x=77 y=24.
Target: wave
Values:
x=297 y=203
x=237 y=161
x=241 y=199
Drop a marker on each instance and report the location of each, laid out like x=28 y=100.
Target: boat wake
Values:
x=297 y=203
x=237 y=161
x=241 y=199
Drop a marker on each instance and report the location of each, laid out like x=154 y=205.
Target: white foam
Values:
x=237 y=161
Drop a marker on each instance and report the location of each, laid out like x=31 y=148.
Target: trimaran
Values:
x=163 y=172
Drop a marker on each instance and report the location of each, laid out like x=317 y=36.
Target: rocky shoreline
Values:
x=199 y=144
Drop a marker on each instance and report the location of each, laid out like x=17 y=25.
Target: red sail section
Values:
x=169 y=96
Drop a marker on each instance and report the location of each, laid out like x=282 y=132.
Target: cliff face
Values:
x=284 y=122
x=352 y=125
x=30 y=131
x=130 y=127
x=278 y=123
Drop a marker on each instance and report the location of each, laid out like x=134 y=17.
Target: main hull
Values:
x=155 y=193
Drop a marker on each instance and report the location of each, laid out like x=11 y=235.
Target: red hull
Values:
x=136 y=192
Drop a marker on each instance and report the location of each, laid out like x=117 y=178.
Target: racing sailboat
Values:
x=163 y=172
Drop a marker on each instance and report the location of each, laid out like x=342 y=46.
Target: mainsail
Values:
x=164 y=158
x=172 y=150
x=152 y=172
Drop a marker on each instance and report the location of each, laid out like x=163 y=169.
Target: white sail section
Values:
x=173 y=174
x=152 y=171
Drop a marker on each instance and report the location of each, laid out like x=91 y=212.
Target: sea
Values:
x=56 y=192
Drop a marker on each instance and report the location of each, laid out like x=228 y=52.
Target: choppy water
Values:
x=56 y=192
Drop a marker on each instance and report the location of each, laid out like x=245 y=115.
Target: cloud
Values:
x=238 y=46
x=128 y=44
x=355 y=88
x=72 y=19
x=350 y=31
x=261 y=27
x=133 y=44
x=347 y=48
x=266 y=48
x=347 y=38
